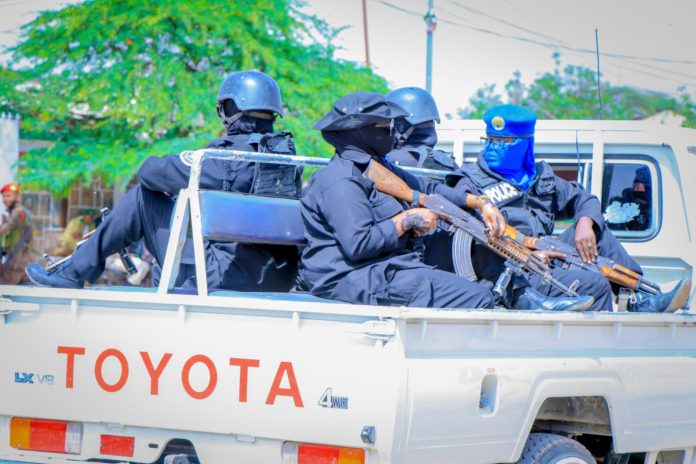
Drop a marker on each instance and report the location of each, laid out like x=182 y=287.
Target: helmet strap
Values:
x=402 y=138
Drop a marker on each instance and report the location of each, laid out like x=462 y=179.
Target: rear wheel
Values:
x=547 y=448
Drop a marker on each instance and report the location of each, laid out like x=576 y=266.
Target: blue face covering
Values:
x=514 y=161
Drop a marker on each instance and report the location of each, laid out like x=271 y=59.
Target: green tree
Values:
x=111 y=82
x=571 y=93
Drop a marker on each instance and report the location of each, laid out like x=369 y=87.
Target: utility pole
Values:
x=599 y=84
x=367 y=42
x=430 y=24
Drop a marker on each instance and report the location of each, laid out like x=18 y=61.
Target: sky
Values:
x=643 y=43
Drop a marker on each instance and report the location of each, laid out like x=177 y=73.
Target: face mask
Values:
x=514 y=160
x=377 y=140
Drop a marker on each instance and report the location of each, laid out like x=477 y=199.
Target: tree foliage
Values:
x=111 y=82
x=571 y=93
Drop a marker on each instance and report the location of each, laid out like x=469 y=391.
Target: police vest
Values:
x=278 y=180
x=532 y=211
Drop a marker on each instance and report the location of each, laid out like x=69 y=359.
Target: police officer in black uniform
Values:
x=415 y=141
x=531 y=197
x=415 y=134
x=359 y=246
x=248 y=103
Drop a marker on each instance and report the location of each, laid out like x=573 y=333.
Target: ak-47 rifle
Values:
x=611 y=270
x=513 y=246
x=569 y=257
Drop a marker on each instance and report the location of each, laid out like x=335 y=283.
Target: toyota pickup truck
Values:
x=164 y=375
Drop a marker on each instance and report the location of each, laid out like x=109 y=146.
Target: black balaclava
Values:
x=375 y=141
x=237 y=123
x=415 y=136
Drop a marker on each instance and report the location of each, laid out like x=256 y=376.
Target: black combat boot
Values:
x=63 y=276
x=662 y=302
x=532 y=299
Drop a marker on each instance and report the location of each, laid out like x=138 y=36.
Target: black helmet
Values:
x=419 y=104
x=359 y=109
x=251 y=91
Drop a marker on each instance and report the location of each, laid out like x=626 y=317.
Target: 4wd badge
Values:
x=327 y=400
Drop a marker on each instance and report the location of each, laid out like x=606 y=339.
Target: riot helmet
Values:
x=419 y=104
x=249 y=92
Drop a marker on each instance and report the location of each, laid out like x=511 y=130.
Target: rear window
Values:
x=630 y=198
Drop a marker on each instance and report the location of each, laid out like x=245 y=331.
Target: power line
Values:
x=559 y=45
x=584 y=54
x=500 y=20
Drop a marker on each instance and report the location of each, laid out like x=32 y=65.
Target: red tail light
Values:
x=303 y=453
x=50 y=436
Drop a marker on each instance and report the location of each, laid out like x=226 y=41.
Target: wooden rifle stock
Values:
x=391 y=184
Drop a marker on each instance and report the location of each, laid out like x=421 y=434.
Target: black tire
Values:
x=547 y=448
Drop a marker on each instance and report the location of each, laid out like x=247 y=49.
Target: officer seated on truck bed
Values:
x=531 y=197
x=360 y=240
x=247 y=104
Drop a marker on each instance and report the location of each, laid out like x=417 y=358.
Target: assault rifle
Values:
x=612 y=271
x=512 y=239
x=513 y=246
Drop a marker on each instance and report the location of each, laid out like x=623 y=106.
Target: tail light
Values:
x=303 y=453
x=50 y=436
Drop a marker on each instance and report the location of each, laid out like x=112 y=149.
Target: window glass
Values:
x=629 y=198
x=572 y=172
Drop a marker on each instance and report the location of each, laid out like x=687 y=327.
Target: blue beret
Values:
x=510 y=121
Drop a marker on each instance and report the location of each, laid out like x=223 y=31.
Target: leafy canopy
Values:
x=111 y=82
x=571 y=93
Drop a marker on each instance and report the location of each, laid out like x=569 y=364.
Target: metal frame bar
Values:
x=177 y=239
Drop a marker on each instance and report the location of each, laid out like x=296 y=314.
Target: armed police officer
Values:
x=415 y=140
x=16 y=235
x=359 y=239
x=247 y=104
x=415 y=133
x=531 y=197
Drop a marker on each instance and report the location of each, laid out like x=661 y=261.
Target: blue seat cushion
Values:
x=233 y=217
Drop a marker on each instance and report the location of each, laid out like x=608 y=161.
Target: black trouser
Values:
x=141 y=214
x=145 y=214
x=420 y=286
x=489 y=266
x=609 y=247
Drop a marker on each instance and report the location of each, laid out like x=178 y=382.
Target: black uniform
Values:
x=354 y=253
x=146 y=210
x=437 y=246
x=533 y=212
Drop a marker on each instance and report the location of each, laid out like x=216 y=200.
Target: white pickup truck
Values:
x=156 y=375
